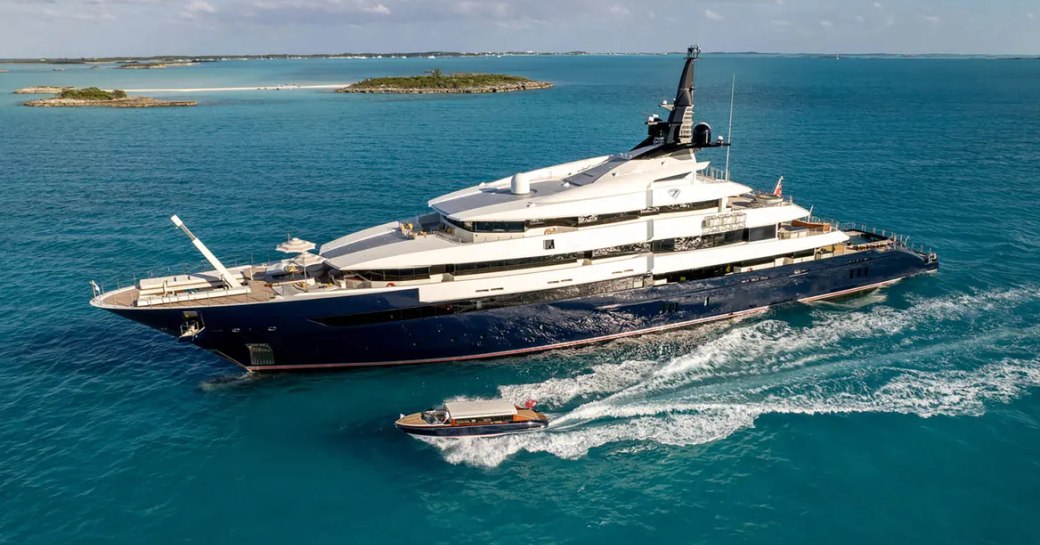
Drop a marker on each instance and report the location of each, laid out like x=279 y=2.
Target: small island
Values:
x=436 y=82
x=69 y=97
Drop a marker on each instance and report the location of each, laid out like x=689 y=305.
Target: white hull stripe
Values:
x=848 y=291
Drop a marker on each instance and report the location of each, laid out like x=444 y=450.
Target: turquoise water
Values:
x=908 y=415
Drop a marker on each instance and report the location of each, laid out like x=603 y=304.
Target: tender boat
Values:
x=586 y=251
x=473 y=419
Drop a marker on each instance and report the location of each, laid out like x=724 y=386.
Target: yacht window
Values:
x=498 y=227
x=582 y=221
x=549 y=244
x=754 y=234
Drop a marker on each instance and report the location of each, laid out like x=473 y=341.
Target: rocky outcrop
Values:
x=41 y=90
x=130 y=102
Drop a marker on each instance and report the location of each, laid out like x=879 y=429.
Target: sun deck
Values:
x=259 y=291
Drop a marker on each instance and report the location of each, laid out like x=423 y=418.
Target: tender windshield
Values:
x=435 y=416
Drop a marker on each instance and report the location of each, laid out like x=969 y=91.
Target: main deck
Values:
x=259 y=286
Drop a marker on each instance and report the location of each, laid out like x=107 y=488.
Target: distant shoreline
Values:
x=463 y=54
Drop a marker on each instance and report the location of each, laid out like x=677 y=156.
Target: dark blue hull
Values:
x=333 y=332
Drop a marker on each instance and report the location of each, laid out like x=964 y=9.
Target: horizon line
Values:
x=447 y=53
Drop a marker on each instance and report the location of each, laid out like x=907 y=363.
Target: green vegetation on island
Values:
x=436 y=82
x=91 y=93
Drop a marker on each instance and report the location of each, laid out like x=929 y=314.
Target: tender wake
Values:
x=943 y=356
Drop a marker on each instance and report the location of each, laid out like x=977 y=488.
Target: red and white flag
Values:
x=779 y=189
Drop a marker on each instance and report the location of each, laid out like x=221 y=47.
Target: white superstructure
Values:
x=643 y=215
x=583 y=207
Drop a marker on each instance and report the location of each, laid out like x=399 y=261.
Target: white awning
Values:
x=295 y=246
x=479 y=409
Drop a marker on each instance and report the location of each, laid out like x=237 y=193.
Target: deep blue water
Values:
x=909 y=415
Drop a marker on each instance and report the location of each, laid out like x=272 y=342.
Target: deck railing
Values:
x=898 y=239
x=714 y=174
x=186 y=268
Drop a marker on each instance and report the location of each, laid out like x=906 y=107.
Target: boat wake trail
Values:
x=950 y=355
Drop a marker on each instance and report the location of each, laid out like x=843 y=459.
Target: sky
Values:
x=76 y=28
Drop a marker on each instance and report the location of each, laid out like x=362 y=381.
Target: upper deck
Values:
x=595 y=186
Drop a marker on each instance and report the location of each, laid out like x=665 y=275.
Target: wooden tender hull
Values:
x=528 y=420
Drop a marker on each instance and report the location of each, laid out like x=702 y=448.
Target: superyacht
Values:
x=648 y=240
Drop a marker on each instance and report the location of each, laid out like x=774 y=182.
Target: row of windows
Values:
x=720 y=270
x=553 y=294
x=680 y=244
x=577 y=221
x=458 y=269
x=684 y=244
x=485 y=420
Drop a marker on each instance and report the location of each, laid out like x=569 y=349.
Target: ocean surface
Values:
x=909 y=415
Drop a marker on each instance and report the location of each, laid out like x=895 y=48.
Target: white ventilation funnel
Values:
x=521 y=184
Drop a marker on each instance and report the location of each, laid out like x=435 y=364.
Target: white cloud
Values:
x=103 y=15
x=127 y=27
x=355 y=12
x=96 y=10
x=196 y=8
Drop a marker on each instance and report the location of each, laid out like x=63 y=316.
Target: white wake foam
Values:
x=879 y=359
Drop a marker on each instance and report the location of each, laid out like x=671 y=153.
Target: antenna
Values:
x=729 y=131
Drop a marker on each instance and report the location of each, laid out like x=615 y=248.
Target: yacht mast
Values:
x=729 y=130
x=680 y=120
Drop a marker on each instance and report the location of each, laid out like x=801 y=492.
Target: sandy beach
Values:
x=288 y=87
